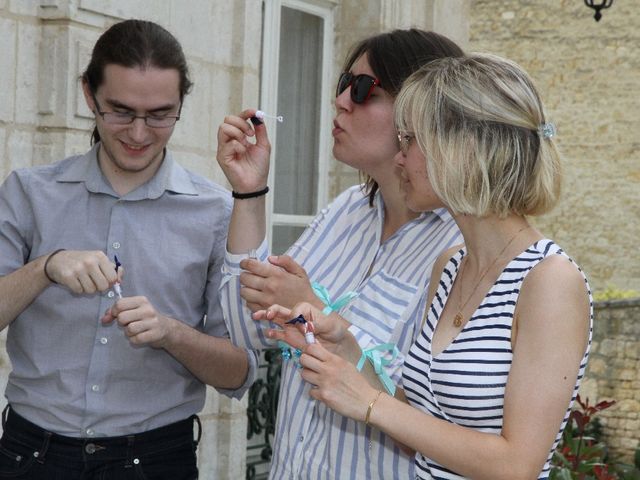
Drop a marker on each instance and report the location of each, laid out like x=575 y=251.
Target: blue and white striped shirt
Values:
x=342 y=250
x=465 y=383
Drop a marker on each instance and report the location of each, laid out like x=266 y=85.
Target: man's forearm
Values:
x=20 y=288
x=214 y=361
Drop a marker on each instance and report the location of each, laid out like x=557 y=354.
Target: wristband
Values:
x=46 y=263
x=242 y=196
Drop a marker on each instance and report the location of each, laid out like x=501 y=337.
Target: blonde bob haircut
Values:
x=478 y=120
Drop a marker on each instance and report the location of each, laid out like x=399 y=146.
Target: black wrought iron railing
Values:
x=261 y=414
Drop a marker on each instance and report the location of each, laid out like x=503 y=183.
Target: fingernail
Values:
x=256 y=121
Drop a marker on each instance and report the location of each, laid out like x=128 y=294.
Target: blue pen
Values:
x=116 y=286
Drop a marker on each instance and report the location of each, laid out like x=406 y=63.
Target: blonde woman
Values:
x=491 y=378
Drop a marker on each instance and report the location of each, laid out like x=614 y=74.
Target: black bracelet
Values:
x=51 y=255
x=242 y=196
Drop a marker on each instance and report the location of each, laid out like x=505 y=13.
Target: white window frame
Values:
x=269 y=99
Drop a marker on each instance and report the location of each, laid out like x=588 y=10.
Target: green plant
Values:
x=582 y=455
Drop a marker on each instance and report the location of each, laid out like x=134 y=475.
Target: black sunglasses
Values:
x=361 y=86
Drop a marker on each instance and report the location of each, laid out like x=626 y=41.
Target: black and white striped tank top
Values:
x=465 y=383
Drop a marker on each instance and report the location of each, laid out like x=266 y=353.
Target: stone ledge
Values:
x=622 y=303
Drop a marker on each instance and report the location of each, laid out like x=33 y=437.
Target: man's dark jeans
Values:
x=27 y=452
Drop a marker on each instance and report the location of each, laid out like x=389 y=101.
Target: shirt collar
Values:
x=169 y=177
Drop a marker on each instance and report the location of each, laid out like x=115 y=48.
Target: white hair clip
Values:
x=547 y=130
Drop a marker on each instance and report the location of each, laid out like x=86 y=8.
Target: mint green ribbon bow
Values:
x=323 y=294
x=375 y=356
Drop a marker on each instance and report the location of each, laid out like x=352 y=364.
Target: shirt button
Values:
x=111 y=294
x=301 y=438
x=116 y=245
x=104 y=340
x=90 y=432
x=95 y=388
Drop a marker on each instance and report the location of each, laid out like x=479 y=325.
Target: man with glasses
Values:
x=109 y=364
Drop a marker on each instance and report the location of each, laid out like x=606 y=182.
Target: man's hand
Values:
x=141 y=322
x=83 y=272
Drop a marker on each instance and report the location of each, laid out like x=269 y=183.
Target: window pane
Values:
x=299 y=88
x=283 y=237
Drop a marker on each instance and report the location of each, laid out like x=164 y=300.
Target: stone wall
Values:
x=613 y=373
x=589 y=76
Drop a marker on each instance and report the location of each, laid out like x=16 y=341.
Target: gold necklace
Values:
x=457 y=320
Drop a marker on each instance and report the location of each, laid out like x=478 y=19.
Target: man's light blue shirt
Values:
x=71 y=374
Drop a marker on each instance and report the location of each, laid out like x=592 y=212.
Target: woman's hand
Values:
x=245 y=164
x=281 y=281
x=337 y=382
x=330 y=330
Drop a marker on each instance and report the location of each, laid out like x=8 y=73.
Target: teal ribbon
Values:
x=287 y=354
x=323 y=294
x=375 y=356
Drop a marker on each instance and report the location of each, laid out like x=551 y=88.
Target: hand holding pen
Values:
x=84 y=272
x=309 y=337
x=329 y=330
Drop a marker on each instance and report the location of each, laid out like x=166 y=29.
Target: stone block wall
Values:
x=613 y=373
x=588 y=74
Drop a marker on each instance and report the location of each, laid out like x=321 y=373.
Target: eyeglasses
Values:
x=404 y=139
x=127 y=118
x=361 y=86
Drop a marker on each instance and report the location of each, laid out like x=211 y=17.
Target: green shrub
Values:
x=582 y=455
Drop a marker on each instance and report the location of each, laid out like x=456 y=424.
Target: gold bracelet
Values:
x=366 y=418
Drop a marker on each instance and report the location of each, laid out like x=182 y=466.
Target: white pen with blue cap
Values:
x=116 y=286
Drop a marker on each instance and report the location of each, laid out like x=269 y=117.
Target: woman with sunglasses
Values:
x=492 y=376
x=367 y=243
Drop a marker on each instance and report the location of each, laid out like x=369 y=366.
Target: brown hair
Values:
x=136 y=43
x=395 y=55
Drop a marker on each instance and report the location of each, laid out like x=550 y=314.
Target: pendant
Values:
x=457 y=320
